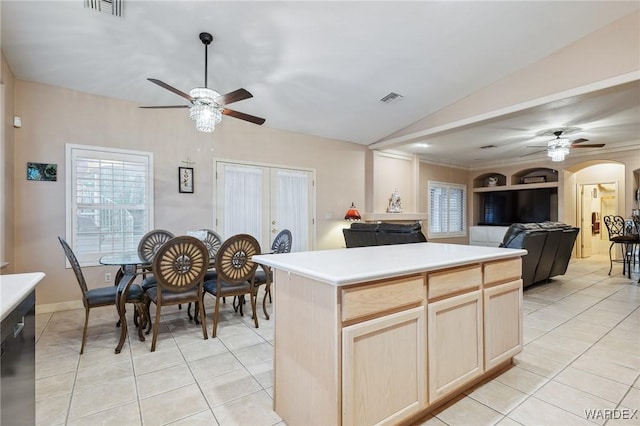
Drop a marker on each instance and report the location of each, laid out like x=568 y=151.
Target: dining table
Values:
x=130 y=267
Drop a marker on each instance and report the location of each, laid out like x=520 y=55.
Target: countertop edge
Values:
x=277 y=262
x=14 y=288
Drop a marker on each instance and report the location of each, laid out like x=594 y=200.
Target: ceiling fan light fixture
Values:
x=558 y=152
x=204 y=111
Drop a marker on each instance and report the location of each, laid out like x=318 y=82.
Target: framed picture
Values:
x=42 y=171
x=185 y=179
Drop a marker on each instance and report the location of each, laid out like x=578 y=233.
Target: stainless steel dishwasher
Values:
x=18 y=365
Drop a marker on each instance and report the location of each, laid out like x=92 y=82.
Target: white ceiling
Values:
x=320 y=68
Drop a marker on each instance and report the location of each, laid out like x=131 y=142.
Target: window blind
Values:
x=110 y=200
x=447 y=209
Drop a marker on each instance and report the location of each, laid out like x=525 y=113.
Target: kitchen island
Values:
x=385 y=334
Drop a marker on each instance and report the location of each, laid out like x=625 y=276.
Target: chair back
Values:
x=180 y=264
x=282 y=242
x=234 y=263
x=151 y=242
x=75 y=265
x=213 y=241
x=615 y=226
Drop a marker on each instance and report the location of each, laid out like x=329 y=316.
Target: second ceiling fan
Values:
x=207 y=105
x=559 y=147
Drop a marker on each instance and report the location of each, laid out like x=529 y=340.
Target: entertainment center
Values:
x=530 y=195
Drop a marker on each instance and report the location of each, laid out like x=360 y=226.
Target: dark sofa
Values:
x=549 y=246
x=380 y=234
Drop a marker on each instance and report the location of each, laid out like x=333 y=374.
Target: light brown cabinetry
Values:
x=455 y=343
x=386 y=351
x=372 y=391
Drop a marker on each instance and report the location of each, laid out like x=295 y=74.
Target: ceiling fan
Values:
x=558 y=148
x=207 y=105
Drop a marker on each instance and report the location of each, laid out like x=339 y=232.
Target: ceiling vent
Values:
x=112 y=7
x=391 y=97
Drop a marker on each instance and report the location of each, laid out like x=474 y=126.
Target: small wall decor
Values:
x=185 y=179
x=42 y=171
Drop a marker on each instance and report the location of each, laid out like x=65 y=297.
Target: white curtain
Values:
x=292 y=210
x=243 y=200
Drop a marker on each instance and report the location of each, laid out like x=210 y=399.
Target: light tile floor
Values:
x=582 y=352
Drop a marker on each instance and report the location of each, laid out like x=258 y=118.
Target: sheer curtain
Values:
x=243 y=200
x=292 y=209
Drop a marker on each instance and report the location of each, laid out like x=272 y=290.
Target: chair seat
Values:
x=225 y=288
x=149 y=282
x=210 y=275
x=106 y=295
x=260 y=277
x=172 y=297
x=624 y=239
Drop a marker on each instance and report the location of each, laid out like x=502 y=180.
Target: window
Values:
x=447 y=210
x=109 y=200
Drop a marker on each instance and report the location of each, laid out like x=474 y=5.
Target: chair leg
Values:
x=155 y=329
x=199 y=307
x=610 y=258
x=264 y=302
x=215 y=317
x=253 y=310
x=84 y=331
x=148 y=309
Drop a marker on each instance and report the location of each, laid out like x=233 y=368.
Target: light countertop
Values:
x=14 y=288
x=353 y=265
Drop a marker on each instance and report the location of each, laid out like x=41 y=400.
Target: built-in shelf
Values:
x=394 y=217
x=517 y=187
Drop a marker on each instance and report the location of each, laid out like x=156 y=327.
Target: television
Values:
x=502 y=208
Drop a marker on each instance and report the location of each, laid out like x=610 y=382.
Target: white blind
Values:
x=447 y=209
x=110 y=200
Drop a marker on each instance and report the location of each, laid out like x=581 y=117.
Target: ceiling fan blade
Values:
x=536 y=146
x=580 y=140
x=171 y=89
x=235 y=96
x=243 y=116
x=165 y=106
x=591 y=145
x=533 y=153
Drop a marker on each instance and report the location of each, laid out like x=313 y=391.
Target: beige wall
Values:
x=6 y=167
x=53 y=117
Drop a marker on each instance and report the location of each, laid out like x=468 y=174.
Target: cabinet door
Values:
x=454 y=342
x=502 y=322
x=384 y=368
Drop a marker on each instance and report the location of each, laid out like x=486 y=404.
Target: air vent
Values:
x=112 y=7
x=392 y=96
x=488 y=147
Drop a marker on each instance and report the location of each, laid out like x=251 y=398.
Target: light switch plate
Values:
x=17 y=121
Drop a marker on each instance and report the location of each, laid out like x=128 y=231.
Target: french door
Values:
x=261 y=200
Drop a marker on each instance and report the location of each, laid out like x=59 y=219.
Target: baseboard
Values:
x=57 y=307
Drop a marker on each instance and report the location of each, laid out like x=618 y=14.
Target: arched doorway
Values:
x=592 y=190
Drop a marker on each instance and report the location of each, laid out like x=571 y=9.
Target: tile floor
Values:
x=582 y=352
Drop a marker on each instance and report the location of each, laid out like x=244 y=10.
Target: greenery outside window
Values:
x=109 y=199
x=447 y=210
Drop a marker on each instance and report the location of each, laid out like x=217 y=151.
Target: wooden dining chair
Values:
x=264 y=276
x=148 y=246
x=101 y=296
x=179 y=267
x=235 y=272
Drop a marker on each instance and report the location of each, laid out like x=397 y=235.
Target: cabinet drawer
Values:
x=504 y=270
x=454 y=281
x=366 y=300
